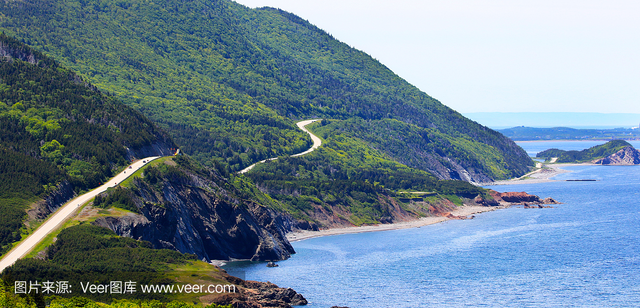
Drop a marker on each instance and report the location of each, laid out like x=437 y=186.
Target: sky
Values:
x=496 y=55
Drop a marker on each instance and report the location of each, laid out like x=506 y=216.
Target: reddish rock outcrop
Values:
x=513 y=198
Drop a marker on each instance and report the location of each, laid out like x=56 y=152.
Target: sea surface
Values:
x=582 y=253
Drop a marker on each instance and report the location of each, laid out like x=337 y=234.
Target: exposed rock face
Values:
x=192 y=214
x=447 y=169
x=485 y=202
x=626 y=156
x=23 y=54
x=512 y=198
x=255 y=294
x=408 y=209
x=163 y=146
x=62 y=194
x=515 y=197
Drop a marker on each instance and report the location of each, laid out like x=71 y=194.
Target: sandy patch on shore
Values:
x=541 y=175
x=425 y=221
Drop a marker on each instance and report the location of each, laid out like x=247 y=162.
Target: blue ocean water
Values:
x=583 y=253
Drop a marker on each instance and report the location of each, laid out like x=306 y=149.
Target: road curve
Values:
x=64 y=212
x=316 y=143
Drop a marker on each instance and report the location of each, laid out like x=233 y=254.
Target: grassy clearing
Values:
x=195 y=273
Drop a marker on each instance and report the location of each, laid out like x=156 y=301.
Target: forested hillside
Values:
x=325 y=188
x=58 y=134
x=226 y=82
x=585 y=155
x=86 y=254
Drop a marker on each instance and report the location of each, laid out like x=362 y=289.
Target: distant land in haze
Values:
x=614 y=152
x=500 y=120
x=523 y=133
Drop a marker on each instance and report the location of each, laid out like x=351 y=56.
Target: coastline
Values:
x=462 y=211
x=541 y=175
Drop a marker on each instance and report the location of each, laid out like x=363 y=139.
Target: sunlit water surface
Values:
x=583 y=253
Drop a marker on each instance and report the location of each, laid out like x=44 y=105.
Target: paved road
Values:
x=64 y=212
x=316 y=143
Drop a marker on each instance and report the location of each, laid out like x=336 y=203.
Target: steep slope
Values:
x=183 y=206
x=368 y=188
x=624 y=157
x=225 y=81
x=86 y=253
x=59 y=134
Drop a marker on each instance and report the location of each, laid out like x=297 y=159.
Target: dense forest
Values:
x=585 y=155
x=361 y=186
x=447 y=156
x=58 y=128
x=226 y=81
x=54 y=128
x=229 y=91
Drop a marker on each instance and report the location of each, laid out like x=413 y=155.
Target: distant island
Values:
x=522 y=133
x=615 y=152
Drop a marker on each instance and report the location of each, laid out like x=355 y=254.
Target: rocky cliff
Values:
x=625 y=156
x=11 y=51
x=198 y=212
x=255 y=294
x=59 y=196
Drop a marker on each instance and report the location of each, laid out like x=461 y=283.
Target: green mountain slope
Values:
x=585 y=155
x=326 y=189
x=226 y=81
x=59 y=134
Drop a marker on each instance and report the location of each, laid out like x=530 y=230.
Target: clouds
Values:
x=496 y=55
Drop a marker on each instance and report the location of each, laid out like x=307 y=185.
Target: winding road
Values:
x=64 y=212
x=316 y=143
x=56 y=219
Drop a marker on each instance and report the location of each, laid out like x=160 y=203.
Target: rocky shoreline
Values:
x=461 y=213
x=265 y=294
x=255 y=294
x=480 y=205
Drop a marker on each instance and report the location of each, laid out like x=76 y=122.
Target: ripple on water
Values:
x=580 y=253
